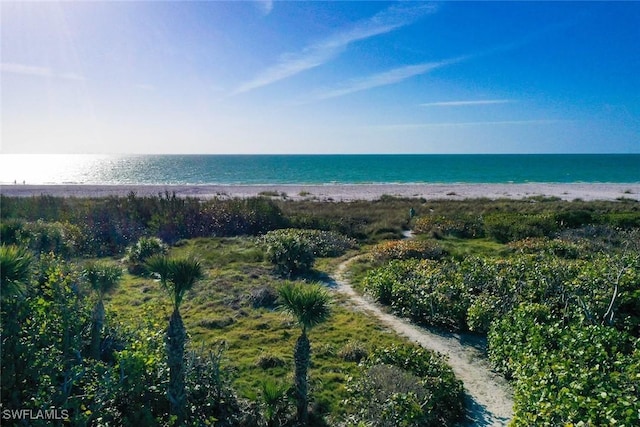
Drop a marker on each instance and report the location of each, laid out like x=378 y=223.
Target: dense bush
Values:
x=252 y=217
x=424 y=291
x=509 y=227
x=109 y=225
x=62 y=238
x=464 y=226
x=137 y=254
x=621 y=219
x=556 y=247
x=321 y=243
x=10 y=231
x=290 y=253
x=482 y=312
x=471 y=293
x=353 y=351
x=293 y=251
x=567 y=373
x=406 y=249
x=406 y=386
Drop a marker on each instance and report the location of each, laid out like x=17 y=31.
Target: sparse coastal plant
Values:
x=309 y=304
x=103 y=279
x=177 y=276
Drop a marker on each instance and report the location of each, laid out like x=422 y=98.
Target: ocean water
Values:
x=319 y=169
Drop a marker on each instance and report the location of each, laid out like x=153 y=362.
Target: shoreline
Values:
x=341 y=192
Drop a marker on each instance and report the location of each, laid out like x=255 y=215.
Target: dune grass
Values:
x=259 y=340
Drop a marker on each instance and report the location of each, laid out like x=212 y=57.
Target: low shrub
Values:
x=291 y=254
x=217 y=323
x=141 y=251
x=408 y=386
x=10 y=231
x=556 y=247
x=509 y=227
x=567 y=372
x=482 y=311
x=293 y=251
x=353 y=351
x=268 y=361
x=264 y=296
x=621 y=219
x=425 y=291
x=463 y=226
x=322 y=243
x=62 y=238
x=407 y=249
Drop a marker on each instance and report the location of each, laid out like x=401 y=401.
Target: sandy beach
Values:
x=343 y=192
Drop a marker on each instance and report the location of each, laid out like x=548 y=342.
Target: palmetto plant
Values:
x=177 y=276
x=274 y=399
x=15 y=269
x=310 y=306
x=103 y=279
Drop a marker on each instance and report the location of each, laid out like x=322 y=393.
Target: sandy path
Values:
x=489 y=397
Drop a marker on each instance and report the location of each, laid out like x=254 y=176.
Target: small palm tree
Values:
x=103 y=279
x=177 y=276
x=310 y=306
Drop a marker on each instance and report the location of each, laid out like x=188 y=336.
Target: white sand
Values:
x=346 y=192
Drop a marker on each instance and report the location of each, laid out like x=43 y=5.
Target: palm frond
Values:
x=177 y=276
x=102 y=277
x=15 y=269
x=159 y=266
x=184 y=273
x=308 y=304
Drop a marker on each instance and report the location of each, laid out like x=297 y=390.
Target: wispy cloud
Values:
x=28 y=70
x=385 y=78
x=325 y=50
x=32 y=70
x=466 y=103
x=381 y=79
x=265 y=6
x=409 y=126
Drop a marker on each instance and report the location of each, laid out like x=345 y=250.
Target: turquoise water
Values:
x=319 y=169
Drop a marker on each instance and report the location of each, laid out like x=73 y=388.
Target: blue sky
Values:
x=320 y=77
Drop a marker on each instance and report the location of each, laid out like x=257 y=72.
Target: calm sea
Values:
x=318 y=169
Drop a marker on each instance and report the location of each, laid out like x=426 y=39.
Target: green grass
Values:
x=219 y=309
x=460 y=248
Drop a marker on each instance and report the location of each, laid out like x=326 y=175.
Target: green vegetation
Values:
x=560 y=306
x=309 y=305
x=177 y=276
x=406 y=385
x=293 y=251
x=103 y=279
x=554 y=285
x=137 y=255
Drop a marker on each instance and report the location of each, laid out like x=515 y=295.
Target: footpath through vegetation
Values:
x=489 y=398
x=163 y=311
